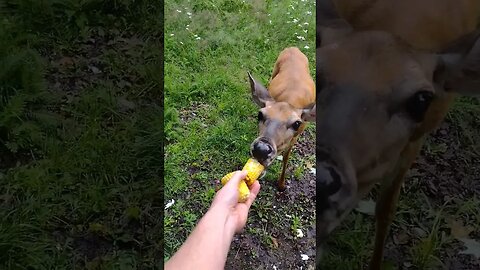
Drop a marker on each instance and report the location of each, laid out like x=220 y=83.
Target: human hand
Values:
x=227 y=198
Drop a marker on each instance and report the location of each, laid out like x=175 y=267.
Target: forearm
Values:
x=208 y=245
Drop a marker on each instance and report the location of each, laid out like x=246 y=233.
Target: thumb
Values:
x=235 y=180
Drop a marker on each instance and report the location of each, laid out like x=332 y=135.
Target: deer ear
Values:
x=259 y=92
x=310 y=114
x=330 y=25
x=458 y=68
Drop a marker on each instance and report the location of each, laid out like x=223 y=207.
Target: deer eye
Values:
x=260 y=117
x=296 y=125
x=417 y=105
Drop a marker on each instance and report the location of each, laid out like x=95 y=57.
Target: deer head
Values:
x=278 y=123
x=377 y=95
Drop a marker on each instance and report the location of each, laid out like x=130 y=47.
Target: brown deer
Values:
x=387 y=72
x=285 y=108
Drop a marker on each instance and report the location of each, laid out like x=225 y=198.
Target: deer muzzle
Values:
x=263 y=150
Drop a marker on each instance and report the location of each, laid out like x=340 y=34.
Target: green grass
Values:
x=80 y=147
x=210 y=118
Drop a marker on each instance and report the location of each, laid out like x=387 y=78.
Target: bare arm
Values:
x=208 y=245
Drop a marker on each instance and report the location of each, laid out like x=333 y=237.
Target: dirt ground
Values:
x=447 y=176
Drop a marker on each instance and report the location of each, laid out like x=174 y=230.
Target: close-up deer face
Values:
x=373 y=96
x=278 y=123
x=378 y=98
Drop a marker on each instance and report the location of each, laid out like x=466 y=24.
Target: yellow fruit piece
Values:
x=226 y=178
x=243 y=191
x=254 y=170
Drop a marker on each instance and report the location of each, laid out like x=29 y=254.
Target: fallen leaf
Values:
x=366 y=207
x=66 y=62
x=419 y=232
x=124 y=104
x=457 y=230
x=401 y=238
x=95 y=70
x=309 y=164
x=304 y=257
x=275 y=242
x=473 y=247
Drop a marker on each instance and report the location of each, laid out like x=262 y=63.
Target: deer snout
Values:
x=263 y=151
x=336 y=189
x=330 y=179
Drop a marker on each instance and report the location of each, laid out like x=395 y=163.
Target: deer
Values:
x=387 y=73
x=285 y=108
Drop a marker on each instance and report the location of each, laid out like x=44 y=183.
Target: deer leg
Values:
x=387 y=203
x=286 y=155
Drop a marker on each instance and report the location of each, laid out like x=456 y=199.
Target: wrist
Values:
x=221 y=214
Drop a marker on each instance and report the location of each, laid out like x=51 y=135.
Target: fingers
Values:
x=235 y=180
x=254 y=189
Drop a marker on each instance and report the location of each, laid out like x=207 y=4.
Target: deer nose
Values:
x=328 y=180
x=261 y=150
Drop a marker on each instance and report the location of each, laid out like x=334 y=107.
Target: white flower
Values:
x=306 y=47
x=179 y=11
x=299 y=233
x=270 y=21
x=172 y=35
x=309 y=12
x=313 y=171
x=300 y=38
x=189 y=13
x=280 y=157
x=169 y=204
x=295 y=21
x=304 y=257
x=181 y=42
x=198 y=38
x=305 y=30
